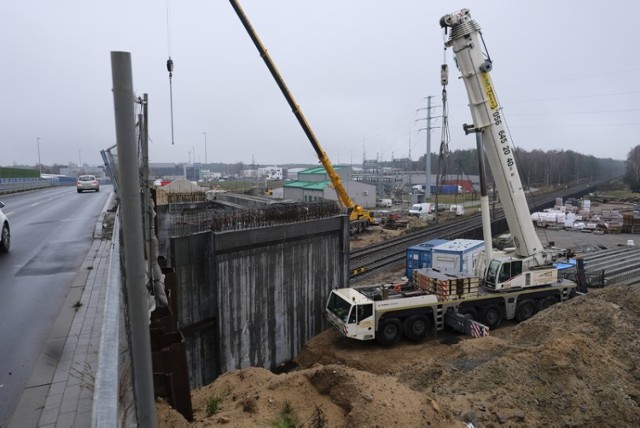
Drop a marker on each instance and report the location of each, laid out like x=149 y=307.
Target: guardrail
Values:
x=8 y=185
x=105 y=411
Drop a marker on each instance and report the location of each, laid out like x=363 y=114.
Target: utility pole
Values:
x=427 y=190
x=410 y=178
x=133 y=239
x=39 y=163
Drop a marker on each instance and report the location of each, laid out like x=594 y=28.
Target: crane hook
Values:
x=170 y=66
x=170 y=70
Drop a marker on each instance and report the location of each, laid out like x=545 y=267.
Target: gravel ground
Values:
x=584 y=242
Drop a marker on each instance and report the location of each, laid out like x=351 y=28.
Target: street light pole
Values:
x=205 y=148
x=39 y=163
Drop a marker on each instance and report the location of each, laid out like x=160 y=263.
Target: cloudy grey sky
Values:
x=565 y=72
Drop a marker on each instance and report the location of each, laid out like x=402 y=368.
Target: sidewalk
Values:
x=59 y=392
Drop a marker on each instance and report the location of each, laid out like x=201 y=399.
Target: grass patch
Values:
x=287 y=418
x=213 y=405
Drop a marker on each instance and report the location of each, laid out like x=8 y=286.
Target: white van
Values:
x=420 y=209
x=385 y=203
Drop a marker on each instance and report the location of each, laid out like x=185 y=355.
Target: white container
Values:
x=459 y=255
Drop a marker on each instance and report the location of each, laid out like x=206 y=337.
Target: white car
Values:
x=87 y=182
x=5 y=235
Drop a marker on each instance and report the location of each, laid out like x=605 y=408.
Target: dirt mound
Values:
x=574 y=364
x=322 y=396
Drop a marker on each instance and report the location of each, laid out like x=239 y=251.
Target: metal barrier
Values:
x=105 y=398
x=7 y=186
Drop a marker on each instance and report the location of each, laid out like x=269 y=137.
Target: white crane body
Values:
x=531 y=264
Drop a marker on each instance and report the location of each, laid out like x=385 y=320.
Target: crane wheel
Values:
x=416 y=327
x=546 y=302
x=389 y=331
x=491 y=316
x=525 y=310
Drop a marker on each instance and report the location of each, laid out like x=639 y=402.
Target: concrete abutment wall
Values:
x=254 y=297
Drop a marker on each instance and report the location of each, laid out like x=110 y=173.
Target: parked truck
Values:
x=507 y=285
x=446 y=189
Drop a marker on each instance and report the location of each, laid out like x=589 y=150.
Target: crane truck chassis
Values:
x=432 y=301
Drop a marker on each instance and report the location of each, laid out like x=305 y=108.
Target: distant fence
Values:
x=13 y=185
x=22 y=184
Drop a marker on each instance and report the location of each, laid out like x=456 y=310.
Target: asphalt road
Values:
x=51 y=231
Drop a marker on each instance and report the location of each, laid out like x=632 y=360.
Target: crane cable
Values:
x=443 y=156
x=170 y=70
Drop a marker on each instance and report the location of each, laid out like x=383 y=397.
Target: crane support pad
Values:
x=462 y=324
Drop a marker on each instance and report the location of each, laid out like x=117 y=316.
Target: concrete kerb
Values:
x=60 y=388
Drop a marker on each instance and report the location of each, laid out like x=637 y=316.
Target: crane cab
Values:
x=513 y=273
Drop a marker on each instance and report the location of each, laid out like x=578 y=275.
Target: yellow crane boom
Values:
x=359 y=217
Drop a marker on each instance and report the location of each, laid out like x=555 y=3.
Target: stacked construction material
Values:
x=446 y=286
x=631 y=222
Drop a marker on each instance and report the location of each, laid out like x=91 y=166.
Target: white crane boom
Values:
x=487 y=118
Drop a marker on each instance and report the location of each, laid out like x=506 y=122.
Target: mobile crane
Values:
x=513 y=285
x=531 y=265
x=359 y=218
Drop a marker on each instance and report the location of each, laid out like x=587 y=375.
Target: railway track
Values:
x=366 y=261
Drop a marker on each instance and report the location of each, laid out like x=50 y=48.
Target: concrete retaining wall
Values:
x=253 y=297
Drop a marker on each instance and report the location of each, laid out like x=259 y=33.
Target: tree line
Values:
x=537 y=167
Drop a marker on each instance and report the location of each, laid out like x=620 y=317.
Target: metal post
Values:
x=39 y=163
x=146 y=191
x=427 y=190
x=205 y=148
x=133 y=245
x=581 y=277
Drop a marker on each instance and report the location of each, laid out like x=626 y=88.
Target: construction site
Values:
x=264 y=344
x=524 y=333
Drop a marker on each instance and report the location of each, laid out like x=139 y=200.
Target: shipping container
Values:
x=446 y=189
x=459 y=255
x=419 y=256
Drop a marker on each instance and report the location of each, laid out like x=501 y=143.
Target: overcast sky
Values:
x=565 y=72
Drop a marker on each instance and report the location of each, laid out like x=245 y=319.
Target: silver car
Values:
x=87 y=182
x=5 y=235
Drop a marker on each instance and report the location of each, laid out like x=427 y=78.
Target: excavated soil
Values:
x=576 y=364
